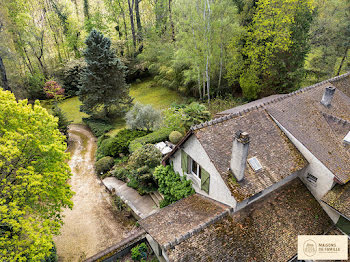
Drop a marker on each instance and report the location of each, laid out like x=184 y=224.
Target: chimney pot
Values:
x=328 y=96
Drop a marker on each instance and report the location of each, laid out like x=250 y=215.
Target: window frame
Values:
x=196 y=174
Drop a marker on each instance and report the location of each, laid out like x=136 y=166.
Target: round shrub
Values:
x=175 y=137
x=148 y=155
x=143 y=117
x=104 y=165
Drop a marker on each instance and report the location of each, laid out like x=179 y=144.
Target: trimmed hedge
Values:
x=104 y=165
x=97 y=126
x=119 y=144
x=152 y=138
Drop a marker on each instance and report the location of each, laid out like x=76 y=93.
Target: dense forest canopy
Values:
x=203 y=48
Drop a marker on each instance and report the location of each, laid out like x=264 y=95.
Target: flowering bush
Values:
x=53 y=90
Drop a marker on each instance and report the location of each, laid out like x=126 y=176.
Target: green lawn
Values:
x=70 y=107
x=146 y=92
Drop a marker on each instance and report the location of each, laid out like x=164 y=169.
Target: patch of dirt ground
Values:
x=92 y=225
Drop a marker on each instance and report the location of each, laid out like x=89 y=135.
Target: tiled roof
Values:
x=256 y=103
x=266 y=230
x=298 y=114
x=308 y=121
x=277 y=155
x=172 y=224
x=339 y=199
x=342 y=83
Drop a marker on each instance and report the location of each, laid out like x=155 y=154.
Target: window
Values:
x=195 y=168
x=312 y=179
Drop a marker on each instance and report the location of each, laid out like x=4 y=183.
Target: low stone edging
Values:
x=120 y=249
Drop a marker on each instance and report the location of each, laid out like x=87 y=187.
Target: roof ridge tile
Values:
x=340 y=120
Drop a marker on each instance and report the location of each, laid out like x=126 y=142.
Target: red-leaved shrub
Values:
x=53 y=90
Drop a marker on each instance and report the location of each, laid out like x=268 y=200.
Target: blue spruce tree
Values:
x=103 y=89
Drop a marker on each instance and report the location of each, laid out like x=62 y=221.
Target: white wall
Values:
x=217 y=188
x=325 y=178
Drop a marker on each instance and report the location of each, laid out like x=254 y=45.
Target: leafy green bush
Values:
x=35 y=83
x=120 y=173
x=133 y=183
x=175 y=137
x=195 y=114
x=143 y=117
x=104 y=165
x=139 y=252
x=148 y=156
x=72 y=76
x=98 y=127
x=119 y=144
x=119 y=203
x=53 y=255
x=173 y=118
x=101 y=138
x=142 y=163
x=152 y=138
x=172 y=185
x=63 y=122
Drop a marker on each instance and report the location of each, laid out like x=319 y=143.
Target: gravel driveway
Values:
x=91 y=226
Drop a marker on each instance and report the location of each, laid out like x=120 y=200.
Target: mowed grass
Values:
x=146 y=92
x=70 y=107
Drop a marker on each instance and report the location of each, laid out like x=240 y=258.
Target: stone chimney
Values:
x=328 y=96
x=239 y=154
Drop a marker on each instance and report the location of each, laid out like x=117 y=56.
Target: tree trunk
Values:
x=76 y=8
x=131 y=15
x=171 y=22
x=203 y=85
x=208 y=34
x=220 y=72
x=4 y=80
x=29 y=64
x=208 y=78
x=343 y=59
x=138 y=21
x=125 y=27
x=86 y=10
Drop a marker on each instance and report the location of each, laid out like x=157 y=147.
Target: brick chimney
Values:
x=239 y=154
x=328 y=96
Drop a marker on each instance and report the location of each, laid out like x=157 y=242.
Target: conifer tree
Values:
x=103 y=89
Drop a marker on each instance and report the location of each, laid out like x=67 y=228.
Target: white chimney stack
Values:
x=328 y=96
x=239 y=156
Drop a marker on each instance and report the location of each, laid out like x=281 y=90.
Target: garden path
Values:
x=143 y=206
x=91 y=226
